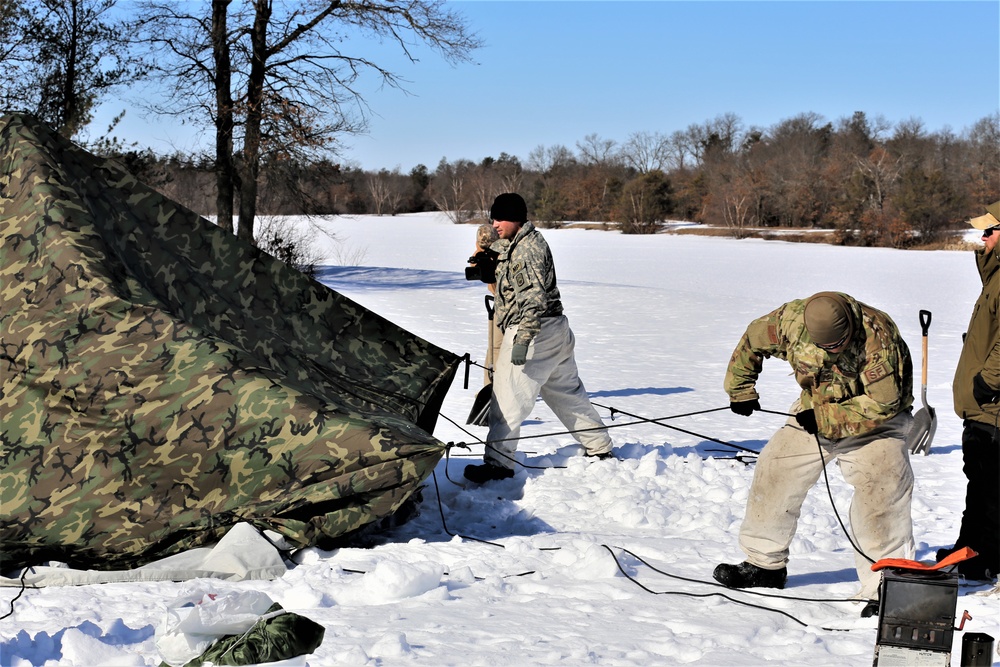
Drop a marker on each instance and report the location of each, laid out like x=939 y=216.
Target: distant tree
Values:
x=595 y=151
x=386 y=191
x=646 y=152
x=981 y=168
x=645 y=201
x=490 y=178
x=927 y=203
x=451 y=191
x=59 y=57
x=792 y=156
x=420 y=180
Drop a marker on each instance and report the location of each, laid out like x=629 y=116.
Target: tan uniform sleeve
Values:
x=762 y=339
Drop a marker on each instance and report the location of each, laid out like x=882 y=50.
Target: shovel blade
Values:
x=480 y=413
x=919 y=439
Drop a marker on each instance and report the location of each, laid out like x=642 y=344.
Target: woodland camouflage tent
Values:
x=163 y=380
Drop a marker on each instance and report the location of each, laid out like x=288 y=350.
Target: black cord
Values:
x=444 y=523
x=659 y=422
x=24 y=586
x=717 y=584
x=697 y=595
x=833 y=504
x=722 y=595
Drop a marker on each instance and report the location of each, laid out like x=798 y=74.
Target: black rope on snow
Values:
x=718 y=585
x=444 y=523
x=494 y=449
x=639 y=420
x=24 y=586
x=696 y=595
x=722 y=595
x=659 y=422
x=603 y=427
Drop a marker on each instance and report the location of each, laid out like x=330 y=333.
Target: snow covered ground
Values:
x=543 y=581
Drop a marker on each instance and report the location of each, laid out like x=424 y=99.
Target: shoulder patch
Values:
x=519 y=274
x=876 y=373
x=772 y=333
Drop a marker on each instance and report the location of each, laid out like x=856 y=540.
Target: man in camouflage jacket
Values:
x=856 y=377
x=976 y=391
x=536 y=356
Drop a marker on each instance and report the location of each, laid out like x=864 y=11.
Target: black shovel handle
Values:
x=925 y=322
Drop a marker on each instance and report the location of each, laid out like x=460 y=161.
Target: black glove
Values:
x=519 y=354
x=982 y=392
x=807 y=420
x=745 y=408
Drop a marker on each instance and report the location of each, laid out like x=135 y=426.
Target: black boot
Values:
x=746 y=575
x=870 y=609
x=977 y=568
x=487 y=472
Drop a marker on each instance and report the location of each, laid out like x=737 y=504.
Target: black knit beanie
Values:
x=509 y=207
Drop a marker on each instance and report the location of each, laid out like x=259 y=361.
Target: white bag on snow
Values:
x=195 y=622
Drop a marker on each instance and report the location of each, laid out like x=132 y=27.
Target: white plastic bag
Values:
x=194 y=622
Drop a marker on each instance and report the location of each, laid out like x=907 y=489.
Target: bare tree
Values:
x=450 y=190
x=294 y=87
x=385 y=191
x=646 y=151
x=60 y=56
x=597 y=151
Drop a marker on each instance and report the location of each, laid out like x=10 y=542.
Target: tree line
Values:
x=276 y=87
x=871 y=182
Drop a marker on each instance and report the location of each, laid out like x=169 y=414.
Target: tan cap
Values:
x=486 y=236
x=828 y=318
x=991 y=219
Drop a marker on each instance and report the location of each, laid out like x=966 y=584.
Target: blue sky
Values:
x=551 y=73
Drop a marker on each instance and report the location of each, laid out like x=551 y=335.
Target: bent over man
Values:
x=536 y=356
x=856 y=376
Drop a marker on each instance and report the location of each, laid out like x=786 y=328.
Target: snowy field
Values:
x=532 y=570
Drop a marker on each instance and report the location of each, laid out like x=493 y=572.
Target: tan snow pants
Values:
x=875 y=464
x=550 y=372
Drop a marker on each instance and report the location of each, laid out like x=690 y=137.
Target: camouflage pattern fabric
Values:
x=163 y=380
x=526 y=283
x=853 y=391
x=275 y=637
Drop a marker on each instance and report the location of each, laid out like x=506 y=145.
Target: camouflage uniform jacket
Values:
x=526 y=283
x=981 y=350
x=851 y=392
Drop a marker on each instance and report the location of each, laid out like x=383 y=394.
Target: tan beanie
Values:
x=828 y=318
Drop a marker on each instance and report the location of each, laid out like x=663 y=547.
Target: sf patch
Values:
x=877 y=372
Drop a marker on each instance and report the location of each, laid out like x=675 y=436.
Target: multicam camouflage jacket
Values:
x=526 y=283
x=852 y=391
x=981 y=350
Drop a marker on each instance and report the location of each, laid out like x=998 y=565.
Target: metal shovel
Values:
x=480 y=413
x=925 y=421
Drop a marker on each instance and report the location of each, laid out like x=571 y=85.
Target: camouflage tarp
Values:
x=163 y=380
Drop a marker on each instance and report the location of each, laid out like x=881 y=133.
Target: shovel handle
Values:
x=925 y=322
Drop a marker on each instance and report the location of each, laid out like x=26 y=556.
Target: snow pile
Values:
x=536 y=570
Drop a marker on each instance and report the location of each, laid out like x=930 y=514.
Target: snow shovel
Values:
x=925 y=421
x=480 y=413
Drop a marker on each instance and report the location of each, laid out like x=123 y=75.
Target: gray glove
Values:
x=519 y=354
